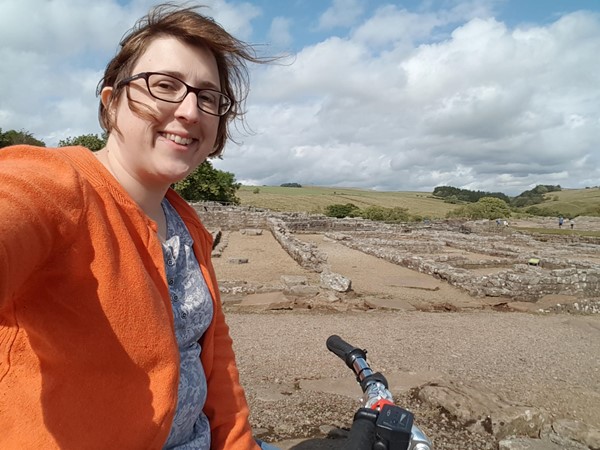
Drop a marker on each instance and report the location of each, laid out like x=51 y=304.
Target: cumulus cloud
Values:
x=342 y=13
x=399 y=100
x=488 y=107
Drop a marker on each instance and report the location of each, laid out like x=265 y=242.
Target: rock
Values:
x=251 y=231
x=237 y=260
x=517 y=421
x=578 y=432
x=527 y=444
x=335 y=281
x=302 y=291
x=483 y=411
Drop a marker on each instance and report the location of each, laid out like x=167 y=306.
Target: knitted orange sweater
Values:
x=88 y=355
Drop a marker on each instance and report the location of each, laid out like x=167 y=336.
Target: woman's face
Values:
x=161 y=152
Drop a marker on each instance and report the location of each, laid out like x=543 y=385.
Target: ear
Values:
x=105 y=95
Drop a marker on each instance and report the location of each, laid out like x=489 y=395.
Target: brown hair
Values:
x=192 y=28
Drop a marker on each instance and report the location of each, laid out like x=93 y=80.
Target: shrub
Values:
x=340 y=211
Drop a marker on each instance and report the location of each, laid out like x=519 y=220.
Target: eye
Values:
x=165 y=85
x=208 y=97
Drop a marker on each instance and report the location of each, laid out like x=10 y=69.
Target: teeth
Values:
x=178 y=139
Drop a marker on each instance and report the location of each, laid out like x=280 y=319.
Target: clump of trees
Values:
x=294 y=185
x=485 y=208
x=209 y=184
x=455 y=195
x=534 y=196
x=91 y=141
x=14 y=137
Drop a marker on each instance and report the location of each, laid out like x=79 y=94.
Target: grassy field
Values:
x=314 y=199
x=574 y=202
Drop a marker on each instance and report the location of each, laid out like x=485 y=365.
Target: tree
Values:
x=209 y=184
x=91 y=141
x=13 y=137
x=485 y=208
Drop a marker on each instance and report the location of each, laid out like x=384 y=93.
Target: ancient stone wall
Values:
x=230 y=218
x=518 y=281
x=305 y=254
x=449 y=250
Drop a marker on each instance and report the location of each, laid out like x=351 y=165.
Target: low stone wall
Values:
x=230 y=218
x=307 y=255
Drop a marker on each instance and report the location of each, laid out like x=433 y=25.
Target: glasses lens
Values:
x=170 y=89
x=213 y=102
x=166 y=87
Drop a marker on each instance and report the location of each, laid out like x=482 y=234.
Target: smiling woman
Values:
x=111 y=328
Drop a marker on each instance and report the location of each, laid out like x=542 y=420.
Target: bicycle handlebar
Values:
x=379 y=424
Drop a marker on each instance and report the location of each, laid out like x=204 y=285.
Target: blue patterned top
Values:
x=193 y=312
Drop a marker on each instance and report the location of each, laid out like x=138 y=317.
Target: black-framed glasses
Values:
x=172 y=90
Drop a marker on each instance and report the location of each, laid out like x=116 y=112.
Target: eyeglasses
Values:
x=172 y=90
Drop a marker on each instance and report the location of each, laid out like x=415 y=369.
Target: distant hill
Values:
x=314 y=199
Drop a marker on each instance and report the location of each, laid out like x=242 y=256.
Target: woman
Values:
x=111 y=328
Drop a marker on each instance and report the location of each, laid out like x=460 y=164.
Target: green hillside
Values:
x=573 y=202
x=314 y=199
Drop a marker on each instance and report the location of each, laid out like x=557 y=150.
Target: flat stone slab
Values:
x=266 y=301
x=389 y=303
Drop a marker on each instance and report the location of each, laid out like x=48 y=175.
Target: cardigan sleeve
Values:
x=40 y=206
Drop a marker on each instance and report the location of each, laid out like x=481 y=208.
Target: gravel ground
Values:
x=548 y=361
x=544 y=361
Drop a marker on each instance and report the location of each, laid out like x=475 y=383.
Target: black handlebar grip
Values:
x=361 y=436
x=338 y=346
x=348 y=353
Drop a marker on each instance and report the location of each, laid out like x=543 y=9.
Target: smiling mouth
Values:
x=178 y=139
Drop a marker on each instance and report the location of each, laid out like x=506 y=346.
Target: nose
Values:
x=188 y=108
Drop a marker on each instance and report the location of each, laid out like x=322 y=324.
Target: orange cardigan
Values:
x=88 y=355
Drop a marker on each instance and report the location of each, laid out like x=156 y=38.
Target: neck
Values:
x=149 y=198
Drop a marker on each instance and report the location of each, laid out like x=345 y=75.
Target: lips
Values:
x=178 y=139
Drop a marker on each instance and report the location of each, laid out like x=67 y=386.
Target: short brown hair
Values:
x=192 y=28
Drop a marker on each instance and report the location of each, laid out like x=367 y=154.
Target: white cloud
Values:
x=54 y=53
x=488 y=108
x=342 y=13
x=404 y=100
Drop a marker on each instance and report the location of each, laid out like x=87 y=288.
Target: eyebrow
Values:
x=203 y=85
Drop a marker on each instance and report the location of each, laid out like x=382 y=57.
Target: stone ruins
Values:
x=479 y=257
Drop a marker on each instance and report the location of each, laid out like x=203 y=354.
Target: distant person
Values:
x=572 y=223
x=560 y=222
x=112 y=334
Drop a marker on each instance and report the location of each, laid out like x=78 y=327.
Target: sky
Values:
x=491 y=95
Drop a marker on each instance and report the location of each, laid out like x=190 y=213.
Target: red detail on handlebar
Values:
x=380 y=404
